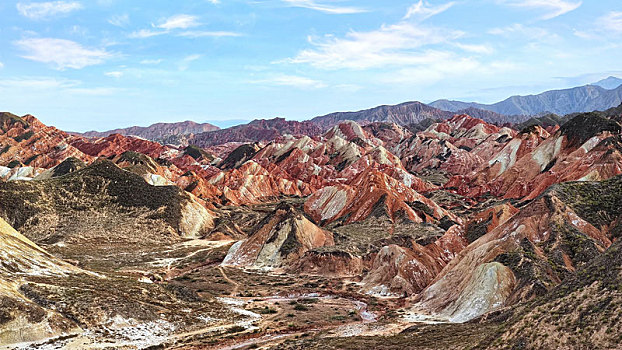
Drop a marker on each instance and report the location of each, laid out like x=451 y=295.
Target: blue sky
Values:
x=102 y=64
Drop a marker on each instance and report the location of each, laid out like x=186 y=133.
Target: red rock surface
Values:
x=475 y=282
x=400 y=271
x=282 y=237
x=30 y=142
x=531 y=163
x=371 y=191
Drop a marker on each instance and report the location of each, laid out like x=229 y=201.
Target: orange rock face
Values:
x=528 y=165
x=28 y=141
x=282 y=237
x=518 y=259
x=400 y=271
x=372 y=192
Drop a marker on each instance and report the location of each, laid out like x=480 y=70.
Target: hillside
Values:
x=157 y=132
x=575 y=100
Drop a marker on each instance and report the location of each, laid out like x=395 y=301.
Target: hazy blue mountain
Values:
x=609 y=83
x=402 y=114
x=579 y=99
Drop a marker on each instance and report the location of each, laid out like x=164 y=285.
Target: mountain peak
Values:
x=609 y=83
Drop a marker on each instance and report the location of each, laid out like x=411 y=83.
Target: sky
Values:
x=102 y=64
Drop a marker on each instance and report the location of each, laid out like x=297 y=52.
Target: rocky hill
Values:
x=255 y=131
x=160 y=132
x=402 y=114
x=301 y=236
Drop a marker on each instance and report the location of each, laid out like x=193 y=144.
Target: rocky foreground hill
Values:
x=440 y=234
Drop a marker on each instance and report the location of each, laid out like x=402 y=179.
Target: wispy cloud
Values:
x=423 y=10
x=173 y=25
x=61 y=53
x=185 y=62
x=146 y=33
x=179 y=22
x=37 y=83
x=119 y=20
x=475 y=48
x=202 y=34
x=330 y=9
x=43 y=10
x=612 y=21
x=215 y=2
x=398 y=44
x=527 y=32
x=115 y=74
x=158 y=61
x=554 y=8
x=291 y=80
x=1 y=65
x=46 y=84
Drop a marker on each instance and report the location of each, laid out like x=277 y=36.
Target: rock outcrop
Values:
x=281 y=238
x=532 y=252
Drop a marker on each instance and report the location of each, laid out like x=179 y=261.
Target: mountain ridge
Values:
x=157 y=131
x=564 y=101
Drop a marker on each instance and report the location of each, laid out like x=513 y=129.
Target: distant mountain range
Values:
x=402 y=114
x=159 y=131
x=575 y=100
x=255 y=131
x=598 y=96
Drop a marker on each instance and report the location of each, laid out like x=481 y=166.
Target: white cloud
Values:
x=61 y=53
x=527 y=32
x=612 y=21
x=179 y=22
x=119 y=20
x=115 y=74
x=397 y=44
x=146 y=33
x=215 y=2
x=293 y=81
x=1 y=65
x=201 y=34
x=158 y=61
x=42 y=10
x=554 y=8
x=185 y=62
x=446 y=64
x=475 y=48
x=330 y=9
x=94 y=91
x=422 y=11
x=37 y=83
x=46 y=84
